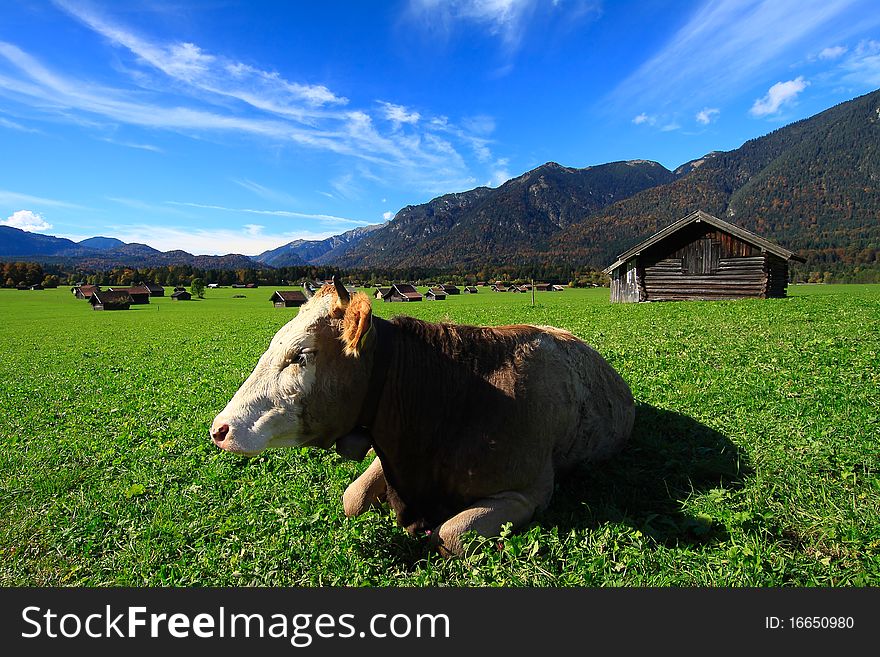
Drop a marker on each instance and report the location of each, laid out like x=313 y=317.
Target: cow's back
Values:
x=602 y=409
x=473 y=411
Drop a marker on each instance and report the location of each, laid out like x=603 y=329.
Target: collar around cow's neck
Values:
x=378 y=373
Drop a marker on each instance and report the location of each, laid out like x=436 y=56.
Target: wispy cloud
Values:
x=179 y=86
x=267 y=193
x=725 y=46
x=10 y=198
x=399 y=114
x=508 y=21
x=129 y=144
x=325 y=218
x=862 y=65
x=32 y=222
x=834 y=52
x=12 y=125
x=639 y=119
x=778 y=96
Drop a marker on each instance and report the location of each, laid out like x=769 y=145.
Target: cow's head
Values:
x=308 y=388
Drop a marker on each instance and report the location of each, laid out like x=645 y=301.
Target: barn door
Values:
x=707 y=258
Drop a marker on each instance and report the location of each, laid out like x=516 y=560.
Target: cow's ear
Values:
x=357 y=326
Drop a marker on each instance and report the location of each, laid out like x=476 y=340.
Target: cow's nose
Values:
x=219 y=434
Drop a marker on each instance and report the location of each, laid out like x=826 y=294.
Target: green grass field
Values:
x=754 y=460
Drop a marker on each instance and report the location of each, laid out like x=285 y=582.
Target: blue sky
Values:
x=222 y=126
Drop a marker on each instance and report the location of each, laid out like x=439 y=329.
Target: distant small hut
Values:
x=288 y=298
x=111 y=300
x=139 y=293
x=435 y=294
x=404 y=292
x=558 y=288
x=181 y=295
x=470 y=289
x=155 y=289
x=701 y=257
x=498 y=287
x=382 y=293
x=85 y=291
x=449 y=288
x=543 y=287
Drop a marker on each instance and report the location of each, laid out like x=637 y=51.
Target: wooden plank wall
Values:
x=625 y=284
x=734 y=278
x=777 y=271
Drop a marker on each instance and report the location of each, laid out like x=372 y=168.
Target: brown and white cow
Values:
x=470 y=425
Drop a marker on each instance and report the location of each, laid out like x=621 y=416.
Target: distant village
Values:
x=122 y=298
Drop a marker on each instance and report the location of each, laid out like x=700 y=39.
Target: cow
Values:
x=471 y=426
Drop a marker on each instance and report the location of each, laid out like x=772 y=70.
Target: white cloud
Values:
x=780 y=94
x=833 y=52
x=506 y=20
x=398 y=114
x=643 y=118
x=708 y=114
x=387 y=215
x=253 y=229
x=32 y=222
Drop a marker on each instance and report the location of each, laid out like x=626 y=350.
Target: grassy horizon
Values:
x=754 y=461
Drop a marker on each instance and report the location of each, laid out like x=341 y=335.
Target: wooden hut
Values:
x=382 y=293
x=404 y=292
x=470 y=289
x=435 y=294
x=181 y=295
x=288 y=298
x=110 y=300
x=155 y=289
x=449 y=288
x=85 y=291
x=139 y=294
x=700 y=257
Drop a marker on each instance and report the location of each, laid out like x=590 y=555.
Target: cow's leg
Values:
x=486 y=517
x=366 y=491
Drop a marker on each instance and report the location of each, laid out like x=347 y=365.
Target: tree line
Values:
x=17 y=274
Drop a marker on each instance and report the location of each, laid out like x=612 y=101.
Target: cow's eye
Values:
x=301 y=357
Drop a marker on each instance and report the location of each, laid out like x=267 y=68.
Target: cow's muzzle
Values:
x=219 y=433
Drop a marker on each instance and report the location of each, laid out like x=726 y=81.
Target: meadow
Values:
x=753 y=463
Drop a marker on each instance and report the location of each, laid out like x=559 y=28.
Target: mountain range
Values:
x=104 y=253
x=812 y=186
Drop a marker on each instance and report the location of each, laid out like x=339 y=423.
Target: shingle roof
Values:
x=289 y=295
x=698 y=216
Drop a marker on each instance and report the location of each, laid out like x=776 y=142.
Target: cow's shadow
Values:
x=669 y=458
